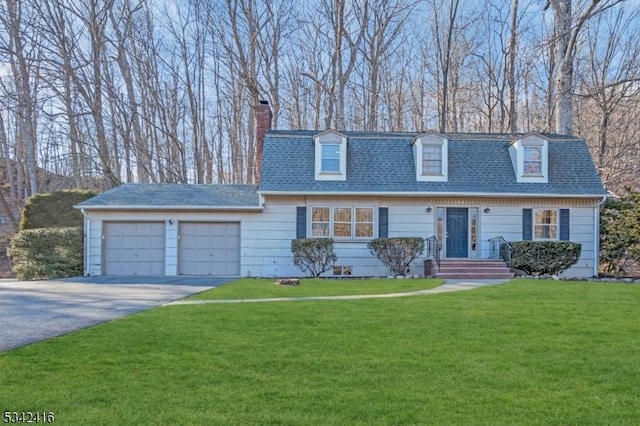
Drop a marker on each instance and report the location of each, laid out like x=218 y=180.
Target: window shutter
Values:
x=564 y=224
x=301 y=222
x=383 y=222
x=527 y=224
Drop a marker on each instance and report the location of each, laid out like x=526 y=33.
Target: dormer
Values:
x=530 y=155
x=331 y=155
x=431 y=154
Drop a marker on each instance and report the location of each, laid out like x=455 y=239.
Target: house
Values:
x=463 y=189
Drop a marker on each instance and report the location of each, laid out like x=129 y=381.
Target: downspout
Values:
x=85 y=242
x=596 y=236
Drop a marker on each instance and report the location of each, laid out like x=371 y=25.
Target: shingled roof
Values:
x=148 y=195
x=384 y=163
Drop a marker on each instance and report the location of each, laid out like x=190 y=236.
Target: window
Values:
x=432 y=160
x=473 y=225
x=330 y=158
x=545 y=225
x=364 y=222
x=431 y=155
x=532 y=160
x=330 y=163
x=320 y=225
x=342 y=222
x=530 y=157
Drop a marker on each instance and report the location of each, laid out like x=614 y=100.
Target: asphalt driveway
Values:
x=36 y=310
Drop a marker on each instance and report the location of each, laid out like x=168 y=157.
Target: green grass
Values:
x=249 y=288
x=526 y=352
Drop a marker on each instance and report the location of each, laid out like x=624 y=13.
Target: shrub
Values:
x=47 y=253
x=313 y=255
x=54 y=210
x=397 y=253
x=620 y=234
x=544 y=257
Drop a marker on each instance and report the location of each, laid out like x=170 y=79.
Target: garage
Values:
x=134 y=248
x=209 y=248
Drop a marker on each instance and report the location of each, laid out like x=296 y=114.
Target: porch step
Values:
x=474 y=269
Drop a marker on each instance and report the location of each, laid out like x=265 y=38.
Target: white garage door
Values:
x=209 y=249
x=134 y=248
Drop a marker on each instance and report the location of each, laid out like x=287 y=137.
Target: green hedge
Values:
x=544 y=257
x=47 y=253
x=54 y=210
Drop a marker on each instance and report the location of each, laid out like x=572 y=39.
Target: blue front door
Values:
x=458 y=232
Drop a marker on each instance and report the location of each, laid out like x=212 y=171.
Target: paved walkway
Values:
x=448 y=286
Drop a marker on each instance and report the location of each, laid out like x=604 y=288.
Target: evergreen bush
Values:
x=47 y=253
x=544 y=257
x=54 y=210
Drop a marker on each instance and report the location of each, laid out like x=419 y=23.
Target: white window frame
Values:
x=536 y=224
x=431 y=139
x=330 y=137
x=521 y=146
x=332 y=222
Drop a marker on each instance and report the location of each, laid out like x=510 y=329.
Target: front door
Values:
x=458 y=232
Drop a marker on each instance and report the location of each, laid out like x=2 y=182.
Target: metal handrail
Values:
x=433 y=249
x=499 y=248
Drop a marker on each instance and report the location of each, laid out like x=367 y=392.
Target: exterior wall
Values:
x=266 y=236
x=409 y=217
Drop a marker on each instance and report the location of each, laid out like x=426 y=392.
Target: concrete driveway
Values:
x=35 y=310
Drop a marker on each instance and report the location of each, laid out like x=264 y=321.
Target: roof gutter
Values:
x=84 y=208
x=432 y=194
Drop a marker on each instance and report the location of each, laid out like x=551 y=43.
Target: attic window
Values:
x=431 y=157
x=532 y=160
x=330 y=156
x=530 y=156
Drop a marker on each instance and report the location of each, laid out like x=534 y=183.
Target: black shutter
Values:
x=301 y=222
x=383 y=222
x=527 y=224
x=564 y=224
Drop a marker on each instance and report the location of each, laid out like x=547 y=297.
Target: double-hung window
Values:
x=545 y=225
x=330 y=158
x=431 y=153
x=533 y=160
x=432 y=159
x=342 y=222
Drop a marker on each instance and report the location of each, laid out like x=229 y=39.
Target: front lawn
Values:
x=250 y=288
x=526 y=352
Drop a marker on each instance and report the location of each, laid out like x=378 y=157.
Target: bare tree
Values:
x=567 y=29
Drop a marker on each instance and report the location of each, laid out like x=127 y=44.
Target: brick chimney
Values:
x=263 y=125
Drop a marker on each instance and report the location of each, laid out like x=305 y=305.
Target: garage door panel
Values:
x=134 y=248
x=209 y=248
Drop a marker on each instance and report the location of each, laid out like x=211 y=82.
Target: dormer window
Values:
x=331 y=156
x=431 y=155
x=432 y=160
x=530 y=155
x=532 y=160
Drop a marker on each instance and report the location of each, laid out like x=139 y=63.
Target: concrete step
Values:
x=474 y=269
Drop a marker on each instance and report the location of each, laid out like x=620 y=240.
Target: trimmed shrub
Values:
x=47 y=253
x=53 y=210
x=397 y=253
x=544 y=257
x=313 y=255
x=620 y=235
